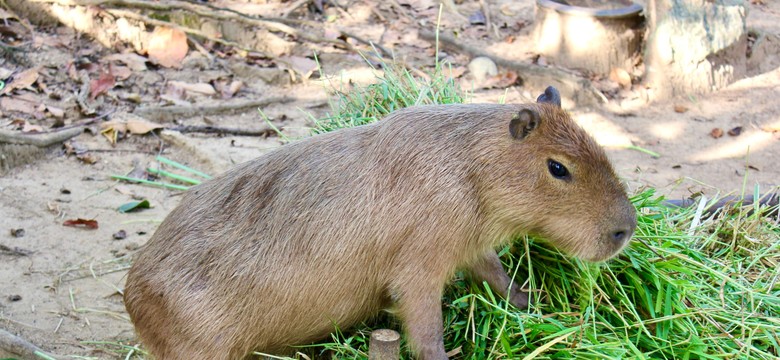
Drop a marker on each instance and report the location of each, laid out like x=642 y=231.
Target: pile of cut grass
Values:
x=708 y=291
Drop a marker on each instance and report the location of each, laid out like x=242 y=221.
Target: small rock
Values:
x=14 y=298
x=17 y=233
x=735 y=131
x=482 y=68
x=477 y=18
x=64 y=191
x=680 y=109
x=132 y=247
x=120 y=235
x=716 y=133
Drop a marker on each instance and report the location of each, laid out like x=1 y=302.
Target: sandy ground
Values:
x=64 y=294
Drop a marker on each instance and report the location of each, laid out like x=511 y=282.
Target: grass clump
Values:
x=709 y=291
x=397 y=88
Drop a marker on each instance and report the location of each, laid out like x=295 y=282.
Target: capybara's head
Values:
x=553 y=168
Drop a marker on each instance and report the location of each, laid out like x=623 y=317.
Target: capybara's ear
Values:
x=523 y=123
x=550 y=96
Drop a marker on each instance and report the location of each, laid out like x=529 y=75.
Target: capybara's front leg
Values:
x=489 y=269
x=420 y=310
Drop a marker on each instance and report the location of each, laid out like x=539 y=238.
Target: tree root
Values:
x=571 y=86
x=169 y=113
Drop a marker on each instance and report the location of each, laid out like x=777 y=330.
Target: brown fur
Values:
x=329 y=230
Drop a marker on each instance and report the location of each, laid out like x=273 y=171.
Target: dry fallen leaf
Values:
x=102 y=84
x=228 y=88
x=680 y=108
x=141 y=126
x=88 y=158
x=121 y=72
x=15 y=104
x=621 y=77
x=167 y=47
x=301 y=65
x=55 y=111
x=134 y=61
x=200 y=88
x=82 y=223
x=22 y=80
x=716 y=133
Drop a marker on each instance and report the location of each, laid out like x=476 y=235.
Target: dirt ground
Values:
x=60 y=286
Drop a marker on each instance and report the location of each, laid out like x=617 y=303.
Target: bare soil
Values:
x=60 y=286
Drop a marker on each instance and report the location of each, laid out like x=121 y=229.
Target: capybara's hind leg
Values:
x=489 y=269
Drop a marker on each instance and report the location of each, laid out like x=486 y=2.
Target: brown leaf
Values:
x=133 y=61
x=141 y=126
x=22 y=80
x=55 y=111
x=121 y=72
x=14 y=104
x=621 y=77
x=200 y=88
x=228 y=89
x=716 y=133
x=680 y=108
x=82 y=223
x=301 y=65
x=29 y=128
x=167 y=47
x=87 y=158
x=735 y=131
x=102 y=84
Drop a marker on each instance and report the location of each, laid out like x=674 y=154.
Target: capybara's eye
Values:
x=557 y=169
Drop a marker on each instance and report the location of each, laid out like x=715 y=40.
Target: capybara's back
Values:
x=326 y=231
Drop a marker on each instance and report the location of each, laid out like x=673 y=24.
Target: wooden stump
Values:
x=591 y=35
x=695 y=46
x=384 y=345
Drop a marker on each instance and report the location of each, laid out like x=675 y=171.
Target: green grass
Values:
x=710 y=291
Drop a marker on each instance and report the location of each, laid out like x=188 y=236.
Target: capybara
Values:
x=329 y=230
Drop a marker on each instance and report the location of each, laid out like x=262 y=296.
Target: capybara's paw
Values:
x=519 y=299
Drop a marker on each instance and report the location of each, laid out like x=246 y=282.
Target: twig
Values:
x=39 y=140
x=578 y=89
x=169 y=113
x=209 y=129
x=81 y=97
x=16 y=345
x=491 y=29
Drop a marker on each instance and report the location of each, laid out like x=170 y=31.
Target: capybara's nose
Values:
x=621 y=236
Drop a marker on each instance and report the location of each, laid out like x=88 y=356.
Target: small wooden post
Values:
x=385 y=344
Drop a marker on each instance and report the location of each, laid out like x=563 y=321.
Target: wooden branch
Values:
x=169 y=113
x=16 y=345
x=571 y=86
x=39 y=139
x=209 y=129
